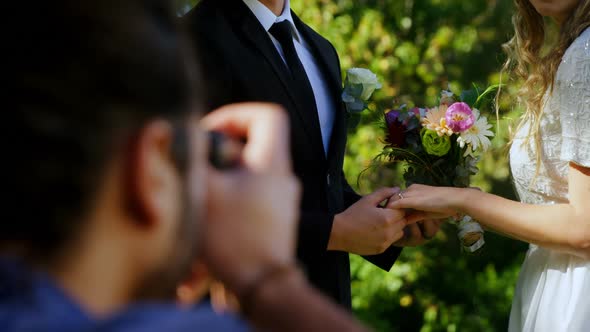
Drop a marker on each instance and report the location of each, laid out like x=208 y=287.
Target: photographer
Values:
x=112 y=198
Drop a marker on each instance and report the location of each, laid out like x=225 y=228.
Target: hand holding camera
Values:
x=252 y=208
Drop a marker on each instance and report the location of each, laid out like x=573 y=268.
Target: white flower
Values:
x=367 y=78
x=476 y=137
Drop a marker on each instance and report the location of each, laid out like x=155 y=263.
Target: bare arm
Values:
x=563 y=227
x=289 y=303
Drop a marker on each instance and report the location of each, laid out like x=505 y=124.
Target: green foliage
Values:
x=436 y=288
x=418 y=48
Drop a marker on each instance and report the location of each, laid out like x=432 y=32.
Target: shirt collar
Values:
x=267 y=18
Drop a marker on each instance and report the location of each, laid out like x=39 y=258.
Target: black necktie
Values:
x=284 y=34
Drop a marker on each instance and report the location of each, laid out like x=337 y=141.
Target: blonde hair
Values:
x=528 y=62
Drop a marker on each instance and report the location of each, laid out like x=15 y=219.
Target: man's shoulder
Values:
x=21 y=317
x=204 y=16
x=204 y=7
x=168 y=318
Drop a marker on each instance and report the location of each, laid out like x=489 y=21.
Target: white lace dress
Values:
x=553 y=290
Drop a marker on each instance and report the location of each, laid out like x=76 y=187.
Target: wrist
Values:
x=334 y=243
x=264 y=290
x=243 y=277
x=460 y=197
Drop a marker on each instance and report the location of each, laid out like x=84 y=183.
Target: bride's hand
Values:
x=429 y=202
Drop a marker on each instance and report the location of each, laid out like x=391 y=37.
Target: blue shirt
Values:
x=32 y=302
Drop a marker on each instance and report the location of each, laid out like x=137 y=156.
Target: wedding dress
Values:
x=553 y=290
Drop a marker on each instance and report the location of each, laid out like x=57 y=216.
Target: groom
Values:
x=258 y=50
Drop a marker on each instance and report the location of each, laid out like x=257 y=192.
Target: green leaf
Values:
x=483 y=96
x=353 y=121
x=469 y=97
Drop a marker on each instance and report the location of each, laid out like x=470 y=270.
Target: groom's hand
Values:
x=367 y=229
x=416 y=233
x=419 y=233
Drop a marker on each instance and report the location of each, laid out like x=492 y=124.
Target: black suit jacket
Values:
x=240 y=63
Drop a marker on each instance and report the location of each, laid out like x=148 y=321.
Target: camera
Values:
x=224 y=151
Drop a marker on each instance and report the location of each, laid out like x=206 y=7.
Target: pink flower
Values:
x=459 y=117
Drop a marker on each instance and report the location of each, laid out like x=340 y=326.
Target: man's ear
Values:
x=149 y=172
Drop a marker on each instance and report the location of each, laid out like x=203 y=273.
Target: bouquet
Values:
x=440 y=146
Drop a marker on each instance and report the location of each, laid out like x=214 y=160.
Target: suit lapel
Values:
x=255 y=33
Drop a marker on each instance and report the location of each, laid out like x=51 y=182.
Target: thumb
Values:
x=380 y=195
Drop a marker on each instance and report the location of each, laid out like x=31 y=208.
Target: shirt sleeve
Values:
x=573 y=87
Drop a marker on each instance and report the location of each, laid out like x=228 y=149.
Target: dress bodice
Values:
x=564 y=132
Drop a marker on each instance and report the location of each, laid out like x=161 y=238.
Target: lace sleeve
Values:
x=573 y=79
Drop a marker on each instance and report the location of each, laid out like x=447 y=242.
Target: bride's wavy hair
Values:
x=536 y=68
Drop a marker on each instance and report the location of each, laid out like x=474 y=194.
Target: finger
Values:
x=415 y=217
x=391 y=221
x=416 y=190
x=381 y=195
x=265 y=127
x=393 y=215
x=429 y=229
x=406 y=202
x=414 y=232
x=398 y=235
x=218 y=297
x=393 y=199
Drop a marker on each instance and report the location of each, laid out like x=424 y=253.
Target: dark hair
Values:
x=85 y=76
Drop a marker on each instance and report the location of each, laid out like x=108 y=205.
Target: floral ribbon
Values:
x=468 y=225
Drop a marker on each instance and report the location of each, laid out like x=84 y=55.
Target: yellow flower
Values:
x=435 y=120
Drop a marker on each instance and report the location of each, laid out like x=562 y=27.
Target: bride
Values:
x=550 y=161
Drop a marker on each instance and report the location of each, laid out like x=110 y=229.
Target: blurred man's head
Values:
x=103 y=99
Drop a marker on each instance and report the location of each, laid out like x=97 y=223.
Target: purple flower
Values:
x=396 y=129
x=459 y=117
x=415 y=112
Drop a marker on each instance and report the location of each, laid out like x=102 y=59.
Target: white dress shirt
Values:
x=321 y=91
